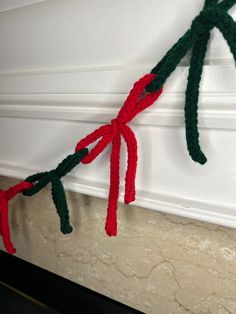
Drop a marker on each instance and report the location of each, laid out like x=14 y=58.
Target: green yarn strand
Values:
x=191 y=102
x=177 y=51
x=209 y=3
x=192 y=94
x=169 y=63
x=70 y=162
x=226 y=4
x=227 y=26
x=59 y=199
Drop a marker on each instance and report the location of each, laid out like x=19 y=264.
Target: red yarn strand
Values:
x=132 y=149
x=111 y=220
x=5 y=197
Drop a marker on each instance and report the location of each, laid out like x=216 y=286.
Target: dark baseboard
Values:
x=57 y=292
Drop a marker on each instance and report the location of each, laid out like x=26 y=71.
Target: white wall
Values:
x=67 y=66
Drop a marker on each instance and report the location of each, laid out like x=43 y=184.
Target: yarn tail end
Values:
x=11 y=250
x=66 y=229
x=111 y=229
x=199 y=157
x=128 y=200
x=129 y=196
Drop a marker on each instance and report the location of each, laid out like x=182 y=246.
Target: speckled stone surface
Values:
x=159 y=263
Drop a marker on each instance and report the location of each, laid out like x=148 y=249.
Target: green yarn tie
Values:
x=197 y=37
x=57 y=189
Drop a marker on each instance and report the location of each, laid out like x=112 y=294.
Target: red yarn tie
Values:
x=136 y=102
x=5 y=197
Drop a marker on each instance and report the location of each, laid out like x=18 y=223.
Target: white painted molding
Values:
x=217 y=79
x=221 y=214
x=7 y=5
x=217 y=111
x=96 y=96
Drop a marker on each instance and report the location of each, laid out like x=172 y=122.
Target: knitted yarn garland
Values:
x=144 y=93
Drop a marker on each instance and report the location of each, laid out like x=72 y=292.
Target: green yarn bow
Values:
x=213 y=14
x=58 y=193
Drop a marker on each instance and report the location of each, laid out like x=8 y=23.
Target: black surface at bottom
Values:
x=58 y=293
x=11 y=303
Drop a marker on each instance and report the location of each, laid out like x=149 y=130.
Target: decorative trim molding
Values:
x=95 y=95
x=216 y=110
x=221 y=214
x=220 y=79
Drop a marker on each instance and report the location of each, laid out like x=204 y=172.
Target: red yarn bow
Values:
x=136 y=102
x=5 y=197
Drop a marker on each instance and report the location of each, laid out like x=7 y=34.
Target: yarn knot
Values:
x=54 y=176
x=115 y=126
x=206 y=21
x=136 y=102
x=5 y=197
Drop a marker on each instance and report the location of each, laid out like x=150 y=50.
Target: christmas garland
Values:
x=144 y=93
